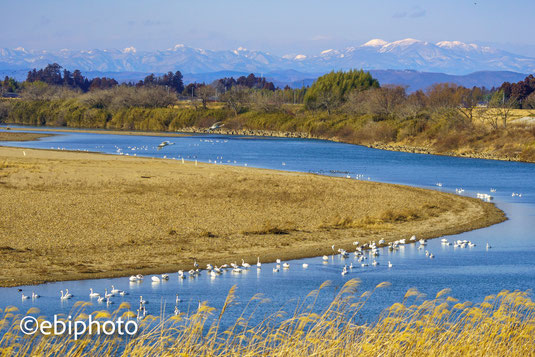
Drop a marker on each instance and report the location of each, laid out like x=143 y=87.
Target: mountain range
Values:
x=452 y=57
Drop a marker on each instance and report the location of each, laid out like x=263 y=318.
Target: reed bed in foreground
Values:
x=501 y=325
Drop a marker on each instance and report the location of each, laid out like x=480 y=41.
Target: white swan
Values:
x=286 y=266
x=278 y=261
x=92 y=294
x=63 y=297
x=389 y=264
x=67 y=294
x=133 y=278
x=141 y=301
x=165 y=276
x=275 y=270
x=155 y=279
x=325 y=258
x=100 y=299
x=114 y=290
x=305 y=265
x=245 y=265
x=35 y=296
x=24 y=297
x=106 y=294
x=258 y=264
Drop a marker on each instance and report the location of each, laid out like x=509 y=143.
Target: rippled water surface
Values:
x=471 y=273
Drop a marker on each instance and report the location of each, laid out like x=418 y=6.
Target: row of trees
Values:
x=53 y=75
x=523 y=92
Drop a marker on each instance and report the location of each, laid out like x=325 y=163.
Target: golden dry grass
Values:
x=13 y=136
x=501 y=325
x=69 y=215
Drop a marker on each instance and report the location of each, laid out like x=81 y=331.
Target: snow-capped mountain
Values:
x=452 y=57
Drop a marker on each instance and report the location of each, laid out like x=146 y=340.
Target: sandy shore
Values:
x=70 y=215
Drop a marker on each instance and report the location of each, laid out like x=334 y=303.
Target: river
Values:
x=471 y=273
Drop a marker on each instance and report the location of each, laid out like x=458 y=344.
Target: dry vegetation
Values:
x=501 y=325
x=67 y=215
x=13 y=136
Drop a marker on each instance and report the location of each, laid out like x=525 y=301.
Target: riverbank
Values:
x=69 y=215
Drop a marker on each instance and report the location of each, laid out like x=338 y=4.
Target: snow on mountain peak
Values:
x=376 y=42
x=130 y=49
x=456 y=44
x=300 y=57
x=407 y=42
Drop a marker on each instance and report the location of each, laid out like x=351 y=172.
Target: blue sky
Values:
x=277 y=26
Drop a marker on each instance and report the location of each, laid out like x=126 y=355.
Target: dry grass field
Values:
x=69 y=215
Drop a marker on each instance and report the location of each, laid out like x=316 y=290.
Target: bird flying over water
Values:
x=215 y=126
x=164 y=144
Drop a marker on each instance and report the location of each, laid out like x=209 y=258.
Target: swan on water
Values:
x=325 y=258
x=35 y=296
x=258 y=264
x=155 y=279
x=92 y=294
x=245 y=265
x=389 y=264
x=305 y=265
x=106 y=294
x=286 y=266
x=67 y=294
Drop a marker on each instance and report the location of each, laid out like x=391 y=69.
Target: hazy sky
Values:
x=277 y=26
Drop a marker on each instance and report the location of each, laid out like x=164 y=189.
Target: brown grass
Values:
x=67 y=215
x=14 y=136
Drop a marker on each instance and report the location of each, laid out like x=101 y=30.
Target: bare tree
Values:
x=386 y=100
x=327 y=100
x=205 y=93
x=236 y=98
x=501 y=108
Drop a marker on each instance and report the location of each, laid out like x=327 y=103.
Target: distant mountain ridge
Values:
x=451 y=57
x=413 y=80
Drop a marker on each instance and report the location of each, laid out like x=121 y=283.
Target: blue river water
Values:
x=471 y=273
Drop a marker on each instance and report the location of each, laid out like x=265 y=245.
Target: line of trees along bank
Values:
x=347 y=106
